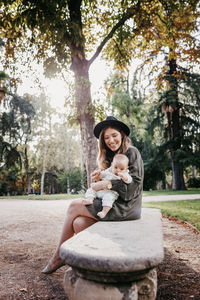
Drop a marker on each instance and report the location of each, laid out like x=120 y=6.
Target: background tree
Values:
x=187 y=152
x=15 y=129
x=49 y=128
x=66 y=32
x=172 y=33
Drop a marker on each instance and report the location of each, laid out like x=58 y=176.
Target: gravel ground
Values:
x=29 y=232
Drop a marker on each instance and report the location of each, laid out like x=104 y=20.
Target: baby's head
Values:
x=119 y=163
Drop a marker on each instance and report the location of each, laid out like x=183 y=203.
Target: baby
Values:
x=117 y=170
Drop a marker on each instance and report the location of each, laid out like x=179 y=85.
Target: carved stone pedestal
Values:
x=77 y=288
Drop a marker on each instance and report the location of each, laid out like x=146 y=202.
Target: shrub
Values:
x=193 y=182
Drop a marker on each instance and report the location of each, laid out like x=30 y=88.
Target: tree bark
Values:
x=43 y=168
x=194 y=171
x=173 y=116
x=85 y=113
x=66 y=149
x=26 y=165
x=74 y=37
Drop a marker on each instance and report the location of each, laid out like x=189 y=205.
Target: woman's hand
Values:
x=100 y=185
x=96 y=175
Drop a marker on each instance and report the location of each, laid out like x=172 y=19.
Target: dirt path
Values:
x=29 y=231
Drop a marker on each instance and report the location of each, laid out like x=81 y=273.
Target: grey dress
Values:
x=128 y=204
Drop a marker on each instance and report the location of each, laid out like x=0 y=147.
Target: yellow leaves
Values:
x=104 y=17
x=184 y=21
x=172 y=53
x=109 y=90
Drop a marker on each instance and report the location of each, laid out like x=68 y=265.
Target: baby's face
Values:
x=118 y=167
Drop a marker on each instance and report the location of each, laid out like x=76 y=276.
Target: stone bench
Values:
x=115 y=260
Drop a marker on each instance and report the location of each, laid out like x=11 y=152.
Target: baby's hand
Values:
x=96 y=175
x=123 y=176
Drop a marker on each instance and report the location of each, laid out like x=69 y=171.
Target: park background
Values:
x=66 y=65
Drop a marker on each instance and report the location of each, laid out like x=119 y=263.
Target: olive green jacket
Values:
x=128 y=204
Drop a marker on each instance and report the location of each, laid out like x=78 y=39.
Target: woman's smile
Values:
x=112 y=138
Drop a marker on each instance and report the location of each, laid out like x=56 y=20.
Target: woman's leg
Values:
x=81 y=223
x=76 y=210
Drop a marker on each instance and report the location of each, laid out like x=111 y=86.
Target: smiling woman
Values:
x=112 y=139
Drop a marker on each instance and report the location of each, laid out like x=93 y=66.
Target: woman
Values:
x=113 y=138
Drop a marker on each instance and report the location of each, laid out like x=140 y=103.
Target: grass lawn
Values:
x=69 y=196
x=186 y=210
x=170 y=192
x=44 y=197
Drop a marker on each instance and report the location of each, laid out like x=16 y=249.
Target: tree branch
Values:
x=128 y=15
x=118 y=48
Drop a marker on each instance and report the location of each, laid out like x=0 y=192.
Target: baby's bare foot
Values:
x=101 y=214
x=87 y=201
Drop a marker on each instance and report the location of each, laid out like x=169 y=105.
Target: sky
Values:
x=56 y=88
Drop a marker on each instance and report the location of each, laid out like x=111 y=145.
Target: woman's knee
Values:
x=74 y=206
x=81 y=223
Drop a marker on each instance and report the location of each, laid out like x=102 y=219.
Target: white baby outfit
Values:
x=108 y=196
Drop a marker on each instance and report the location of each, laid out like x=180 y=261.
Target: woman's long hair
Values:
x=105 y=155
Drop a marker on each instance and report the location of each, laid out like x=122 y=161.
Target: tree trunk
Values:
x=85 y=114
x=43 y=168
x=173 y=117
x=194 y=172
x=28 y=174
x=76 y=42
x=82 y=169
x=66 y=150
x=164 y=183
x=177 y=167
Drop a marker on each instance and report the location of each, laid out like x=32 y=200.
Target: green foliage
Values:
x=187 y=141
x=71 y=179
x=193 y=182
x=3 y=76
x=15 y=127
x=126 y=102
x=50 y=183
x=172 y=34
x=76 y=28
x=156 y=165
x=172 y=28
x=11 y=181
x=9 y=155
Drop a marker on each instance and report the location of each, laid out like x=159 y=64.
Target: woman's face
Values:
x=112 y=138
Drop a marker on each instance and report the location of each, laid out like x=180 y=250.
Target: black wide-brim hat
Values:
x=110 y=122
